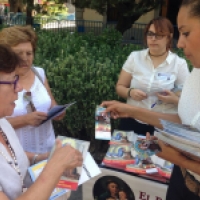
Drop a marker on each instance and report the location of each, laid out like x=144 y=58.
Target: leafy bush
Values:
x=82 y=68
x=81 y=72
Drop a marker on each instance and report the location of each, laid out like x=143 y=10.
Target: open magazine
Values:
x=35 y=171
x=90 y=170
x=70 y=178
x=182 y=137
x=57 y=110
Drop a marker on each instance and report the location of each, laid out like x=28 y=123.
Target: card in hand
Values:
x=147 y=147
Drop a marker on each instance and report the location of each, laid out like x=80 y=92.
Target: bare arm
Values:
x=32 y=119
x=119 y=109
x=40 y=157
x=178 y=158
x=64 y=158
x=123 y=84
x=152 y=118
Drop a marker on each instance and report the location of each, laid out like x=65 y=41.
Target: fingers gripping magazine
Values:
x=102 y=124
x=90 y=170
x=70 y=178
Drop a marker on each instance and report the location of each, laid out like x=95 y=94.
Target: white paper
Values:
x=159 y=161
x=151 y=171
x=89 y=170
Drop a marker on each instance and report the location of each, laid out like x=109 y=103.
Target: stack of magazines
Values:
x=182 y=137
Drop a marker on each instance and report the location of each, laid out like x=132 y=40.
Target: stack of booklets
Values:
x=133 y=153
x=182 y=137
x=70 y=178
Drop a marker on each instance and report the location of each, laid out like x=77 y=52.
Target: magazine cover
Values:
x=123 y=137
x=118 y=155
x=90 y=170
x=147 y=163
x=35 y=171
x=102 y=124
x=70 y=178
x=57 y=110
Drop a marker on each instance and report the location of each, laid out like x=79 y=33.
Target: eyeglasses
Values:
x=150 y=35
x=12 y=82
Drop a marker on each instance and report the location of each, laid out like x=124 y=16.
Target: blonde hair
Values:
x=15 y=35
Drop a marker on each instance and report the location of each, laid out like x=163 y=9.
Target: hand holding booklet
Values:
x=90 y=170
x=70 y=178
x=182 y=137
x=57 y=110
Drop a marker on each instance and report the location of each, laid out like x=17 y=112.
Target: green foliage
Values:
x=82 y=68
x=181 y=54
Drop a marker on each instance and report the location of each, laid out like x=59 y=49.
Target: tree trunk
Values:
x=125 y=22
x=14 y=5
x=29 y=18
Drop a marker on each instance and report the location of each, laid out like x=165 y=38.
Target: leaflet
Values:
x=56 y=111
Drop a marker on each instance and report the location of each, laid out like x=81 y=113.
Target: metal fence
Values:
x=133 y=35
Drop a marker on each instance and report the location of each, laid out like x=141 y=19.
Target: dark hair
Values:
x=111 y=181
x=8 y=59
x=194 y=7
x=163 y=27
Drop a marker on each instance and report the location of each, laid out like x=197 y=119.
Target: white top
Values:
x=189 y=106
x=168 y=75
x=38 y=139
x=10 y=182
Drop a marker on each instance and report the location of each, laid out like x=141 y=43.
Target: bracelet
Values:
x=129 y=92
x=34 y=159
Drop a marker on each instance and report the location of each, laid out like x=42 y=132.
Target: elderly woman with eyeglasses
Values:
x=149 y=77
x=14 y=179
x=34 y=100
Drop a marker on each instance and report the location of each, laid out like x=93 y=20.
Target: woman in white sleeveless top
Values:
x=185 y=179
x=13 y=160
x=37 y=140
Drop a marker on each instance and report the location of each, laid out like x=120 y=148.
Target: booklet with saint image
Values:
x=102 y=124
x=90 y=169
x=35 y=171
x=70 y=178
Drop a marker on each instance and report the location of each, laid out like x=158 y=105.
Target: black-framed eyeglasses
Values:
x=150 y=35
x=11 y=82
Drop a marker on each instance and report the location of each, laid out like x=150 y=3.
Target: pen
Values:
x=153 y=104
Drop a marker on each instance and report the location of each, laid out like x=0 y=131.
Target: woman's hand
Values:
x=35 y=118
x=167 y=152
x=116 y=108
x=171 y=154
x=138 y=95
x=60 y=117
x=66 y=156
x=168 y=97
